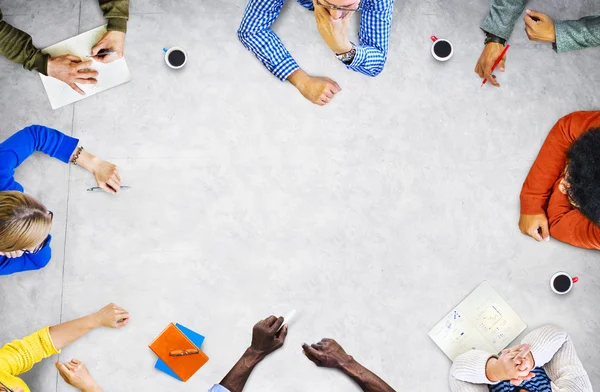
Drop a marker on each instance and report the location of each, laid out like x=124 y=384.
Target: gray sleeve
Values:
x=577 y=34
x=503 y=16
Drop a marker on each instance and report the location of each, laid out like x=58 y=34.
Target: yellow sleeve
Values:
x=20 y=356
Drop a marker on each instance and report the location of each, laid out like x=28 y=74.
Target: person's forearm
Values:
x=236 y=379
x=86 y=160
x=298 y=78
x=117 y=14
x=367 y=380
x=503 y=16
x=17 y=46
x=93 y=389
x=577 y=34
x=66 y=333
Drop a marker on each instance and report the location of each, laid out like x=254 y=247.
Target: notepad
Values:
x=109 y=75
x=483 y=321
x=196 y=338
x=172 y=339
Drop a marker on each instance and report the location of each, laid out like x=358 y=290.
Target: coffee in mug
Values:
x=562 y=283
x=175 y=57
x=441 y=49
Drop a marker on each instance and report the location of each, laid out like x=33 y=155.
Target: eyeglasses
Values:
x=4 y=388
x=40 y=246
x=336 y=8
x=183 y=353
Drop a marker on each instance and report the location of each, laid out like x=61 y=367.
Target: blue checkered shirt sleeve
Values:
x=218 y=388
x=256 y=35
x=373 y=37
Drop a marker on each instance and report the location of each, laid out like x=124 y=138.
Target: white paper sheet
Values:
x=109 y=75
x=483 y=321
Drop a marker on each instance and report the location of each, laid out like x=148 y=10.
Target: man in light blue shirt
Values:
x=268 y=335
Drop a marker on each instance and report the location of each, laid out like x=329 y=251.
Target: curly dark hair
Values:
x=583 y=174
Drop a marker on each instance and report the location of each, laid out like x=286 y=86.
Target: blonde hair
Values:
x=24 y=222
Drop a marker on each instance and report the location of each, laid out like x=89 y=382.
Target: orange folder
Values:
x=173 y=340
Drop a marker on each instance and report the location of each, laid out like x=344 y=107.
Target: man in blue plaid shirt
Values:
x=332 y=17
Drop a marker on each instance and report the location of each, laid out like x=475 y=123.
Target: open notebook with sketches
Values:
x=109 y=75
x=483 y=321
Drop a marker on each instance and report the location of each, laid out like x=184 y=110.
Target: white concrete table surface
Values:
x=372 y=216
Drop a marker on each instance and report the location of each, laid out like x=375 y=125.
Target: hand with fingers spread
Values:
x=318 y=90
x=71 y=70
x=327 y=353
x=112 y=40
x=76 y=374
x=112 y=316
x=490 y=54
x=539 y=27
x=535 y=226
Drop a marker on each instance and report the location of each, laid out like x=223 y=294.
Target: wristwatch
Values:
x=347 y=57
x=489 y=37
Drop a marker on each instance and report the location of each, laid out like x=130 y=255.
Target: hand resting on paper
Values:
x=112 y=40
x=71 y=70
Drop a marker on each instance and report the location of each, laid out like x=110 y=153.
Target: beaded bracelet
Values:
x=76 y=156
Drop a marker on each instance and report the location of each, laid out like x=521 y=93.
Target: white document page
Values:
x=109 y=75
x=483 y=321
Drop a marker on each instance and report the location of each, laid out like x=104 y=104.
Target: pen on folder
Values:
x=496 y=63
x=98 y=189
x=104 y=52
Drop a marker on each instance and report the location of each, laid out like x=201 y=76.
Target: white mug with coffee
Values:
x=561 y=282
x=175 y=57
x=441 y=49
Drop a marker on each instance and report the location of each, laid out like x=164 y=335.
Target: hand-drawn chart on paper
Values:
x=483 y=321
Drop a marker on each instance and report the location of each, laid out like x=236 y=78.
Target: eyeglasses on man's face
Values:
x=40 y=246
x=4 y=388
x=351 y=8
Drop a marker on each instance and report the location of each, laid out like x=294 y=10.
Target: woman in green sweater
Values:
x=17 y=46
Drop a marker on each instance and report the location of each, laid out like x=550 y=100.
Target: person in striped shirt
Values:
x=332 y=16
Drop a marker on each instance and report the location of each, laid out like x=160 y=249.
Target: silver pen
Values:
x=98 y=189
x=104 y=52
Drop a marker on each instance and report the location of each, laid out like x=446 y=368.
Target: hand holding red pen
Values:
x=484 y=64
x=501 y=58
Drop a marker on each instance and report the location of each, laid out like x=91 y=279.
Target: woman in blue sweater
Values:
x=25 y=223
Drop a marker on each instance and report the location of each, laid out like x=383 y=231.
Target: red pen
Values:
x=496 y=63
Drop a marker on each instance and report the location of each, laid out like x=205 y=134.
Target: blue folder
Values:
x=196 y=338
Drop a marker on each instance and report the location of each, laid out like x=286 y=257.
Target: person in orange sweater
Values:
x=561 y=194
x=20 y=356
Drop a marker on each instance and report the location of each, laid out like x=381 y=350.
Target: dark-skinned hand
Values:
x=327 y=353
x=265 y=335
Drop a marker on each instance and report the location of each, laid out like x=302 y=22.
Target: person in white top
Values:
x=546 y=361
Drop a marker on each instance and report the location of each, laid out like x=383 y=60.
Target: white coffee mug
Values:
x=435 y=56
x=572 y=281
x=168 y=52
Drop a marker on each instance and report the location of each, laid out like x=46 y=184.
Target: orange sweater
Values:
x=540 y=192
